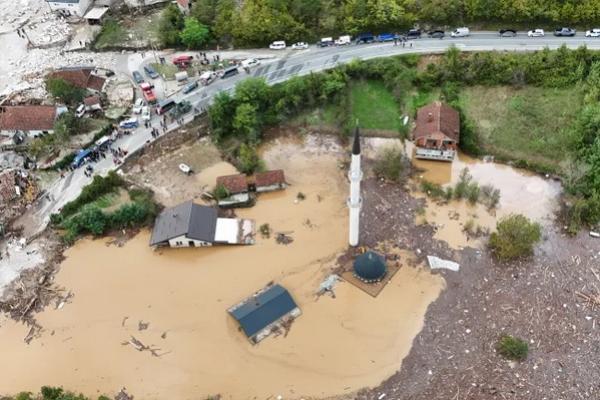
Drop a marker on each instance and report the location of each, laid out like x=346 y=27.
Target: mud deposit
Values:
x=338 y=345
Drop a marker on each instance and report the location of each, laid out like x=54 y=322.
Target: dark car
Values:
x=151 y=72
x=507 y=33
x=413 y=34
x=137 y=77
x=190 y=87
x=386 y=37
x=231 y=71
x=564 y=32
x=436 y=34
x=365 y=38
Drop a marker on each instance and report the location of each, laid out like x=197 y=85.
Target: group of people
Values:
x=403 y=40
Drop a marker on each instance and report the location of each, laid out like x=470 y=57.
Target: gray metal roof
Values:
x=189 y=219
x=260 y=311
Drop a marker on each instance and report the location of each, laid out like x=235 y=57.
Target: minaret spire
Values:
x=355 y=200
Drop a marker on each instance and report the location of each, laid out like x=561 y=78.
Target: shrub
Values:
x=221 y=192
x=98 y=187
x=515 y=237
x=390 y=164
x=512 y=348
x=64 y=91
x=248 y=159
x=433 y=189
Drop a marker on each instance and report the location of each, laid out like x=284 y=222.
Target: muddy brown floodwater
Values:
x=338 y=345
x=521 y=192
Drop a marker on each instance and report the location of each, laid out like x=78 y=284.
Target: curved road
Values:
x=278 y=66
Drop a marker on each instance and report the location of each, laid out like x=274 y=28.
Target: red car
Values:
x=182 y=61
x=148 y=93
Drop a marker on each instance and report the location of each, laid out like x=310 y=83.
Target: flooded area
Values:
x=338 y=345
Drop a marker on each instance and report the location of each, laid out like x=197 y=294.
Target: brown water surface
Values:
x=336 y=346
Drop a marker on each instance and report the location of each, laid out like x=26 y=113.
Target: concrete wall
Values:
x=27 y=133
x=78 y=8
x=183 y=241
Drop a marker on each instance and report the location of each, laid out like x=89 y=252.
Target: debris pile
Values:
x=18 y=189
x=283 y=238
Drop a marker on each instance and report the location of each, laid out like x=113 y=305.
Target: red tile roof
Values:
x=269 y=178
x=91 y=100
x=27 y=118
x=184 y=3
x=234 y=183
x=436 y=118
x=80 y=77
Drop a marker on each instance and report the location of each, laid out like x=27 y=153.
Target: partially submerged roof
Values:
x=263 y=309
x=269 y=178
x=27 y=118
x=192 y=220
x=436 y=118
x=233 y=183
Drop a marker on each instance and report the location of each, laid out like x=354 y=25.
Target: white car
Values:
x=593 y=33
x=536 y=33
x=278 y=45
x=250 y=62
x=300 y=46
x=185 y=168
x=137 y=106
x=146 y=113
x=343 y=40
x=80 y=112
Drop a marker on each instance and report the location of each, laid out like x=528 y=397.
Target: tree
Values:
x=248 y=159
x=246 y=123
x=205 y=11
x=66 y=126
x=64 y=91
x=170 y=24
x=220 y=113
x=194 y=34
x=254 y=91
x=515 y=237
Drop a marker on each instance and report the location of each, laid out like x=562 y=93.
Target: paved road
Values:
x=278 y=66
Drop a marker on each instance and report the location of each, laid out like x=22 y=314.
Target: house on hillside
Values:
x=70 y=7
x=81 y=77
x=192 y=225
x=269 y=181
x=265 y=311
x=437 y=132
x=29 y=120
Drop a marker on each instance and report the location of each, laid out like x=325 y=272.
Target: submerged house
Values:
x=192 y=225
x=265 y=310
x=240 y=188
x=437 y=132
x=269 y=181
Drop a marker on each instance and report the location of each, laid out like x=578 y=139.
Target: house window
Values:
x=191 y=243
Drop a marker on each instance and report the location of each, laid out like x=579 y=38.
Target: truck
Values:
x=148 y=93
x=343 y=40
x=326 y=42
x=183 y=61
x=460 y=32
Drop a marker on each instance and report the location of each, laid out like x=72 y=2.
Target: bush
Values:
x=64 y=91
x=512 y=348
x=433 y=189
x=515 y=237
x=221 y=192
x=248 y=159
x=390 y=164
x=98 y=187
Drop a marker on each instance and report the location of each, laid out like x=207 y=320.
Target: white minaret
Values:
x=355 y=201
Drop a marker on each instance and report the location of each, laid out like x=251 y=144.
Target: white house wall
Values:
x=78 y=8
x=184 y=241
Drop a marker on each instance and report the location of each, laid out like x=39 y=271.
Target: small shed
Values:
x=233 y=183
x=370 y=267
x=264 y=310
x=270 y=181
x=95 y=15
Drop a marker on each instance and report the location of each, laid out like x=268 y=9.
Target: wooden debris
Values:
x=139 y=346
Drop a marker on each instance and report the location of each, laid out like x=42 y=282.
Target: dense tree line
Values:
x=259 y=22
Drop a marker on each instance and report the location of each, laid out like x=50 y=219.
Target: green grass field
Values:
x=374 y=106
x=530 y=124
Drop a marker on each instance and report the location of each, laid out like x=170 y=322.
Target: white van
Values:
x=343 y=40
x=460 y=32
x=278 y=45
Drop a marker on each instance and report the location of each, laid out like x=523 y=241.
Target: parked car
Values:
x=386 y=37
x=207 y=77
x=460 y=32
x=250 y=62
x=129 y=123
x=137 y=106
x=593 y=33
x=536 y=33
x=507 y=33
x=137 y=77
x=343 y=40
x=300 y=46
x=326 y=42
x=436 y=34
x=231 y=71
x=278 y=45
x=365 y=38
x=190 y=87
x=80 y=111
x=148 y=93
x=413 y=34
x=164 y=106
x=183 y=60
x=151 y=72
x=564 y=31
x=146 y=113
